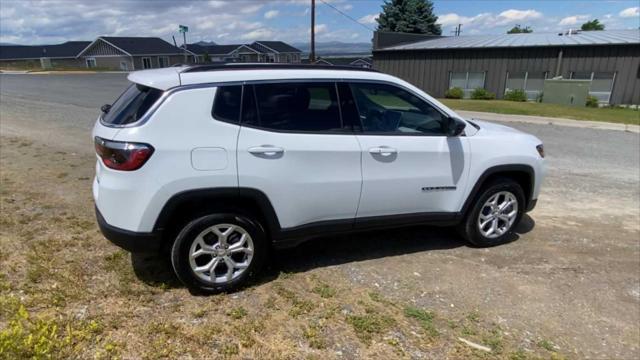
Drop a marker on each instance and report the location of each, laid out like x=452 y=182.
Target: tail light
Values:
x=120 y=155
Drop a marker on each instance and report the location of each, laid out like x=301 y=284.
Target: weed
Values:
x=325 y=291
x=494 y=340
x=474 y=317
x=545 y=344
x=518 y=355
x=424 y=317
x=237 y=313
x=230 y=349
x=369 y=324
x=313 y=335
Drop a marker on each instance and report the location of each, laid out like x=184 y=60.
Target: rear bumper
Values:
x=129 y=240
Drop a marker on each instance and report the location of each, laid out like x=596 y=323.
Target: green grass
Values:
x=424 y=317
x=615 y=115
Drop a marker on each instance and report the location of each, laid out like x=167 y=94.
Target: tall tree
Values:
x=520 y=30
x=592 y=25
x=410 y=16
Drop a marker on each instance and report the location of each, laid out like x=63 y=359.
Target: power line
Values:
x=347 y=16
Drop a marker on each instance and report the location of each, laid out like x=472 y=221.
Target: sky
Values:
x=240 y=21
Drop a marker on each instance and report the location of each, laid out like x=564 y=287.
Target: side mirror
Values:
x=105 y=108
x=455 y=127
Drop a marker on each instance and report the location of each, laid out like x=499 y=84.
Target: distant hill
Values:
x=336 y=48
x=206 y=43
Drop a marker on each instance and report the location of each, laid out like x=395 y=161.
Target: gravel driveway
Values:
x=571 y=281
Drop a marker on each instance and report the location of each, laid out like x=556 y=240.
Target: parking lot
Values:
x=568 y=287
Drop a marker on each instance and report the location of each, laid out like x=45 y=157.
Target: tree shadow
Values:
x=156 y=269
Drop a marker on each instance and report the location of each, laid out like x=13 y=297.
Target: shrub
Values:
x=515 y=95
x=592 y=101
x=539 y=97
x=482 y=94
x=454 y=93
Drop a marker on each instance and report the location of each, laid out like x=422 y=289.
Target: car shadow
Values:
x=156 y=270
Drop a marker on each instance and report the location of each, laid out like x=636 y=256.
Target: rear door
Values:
x=409 y=165
x=294 y=147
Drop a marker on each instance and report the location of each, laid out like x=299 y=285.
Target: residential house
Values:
x=42 y=56
x=258 y=51
x=362 y=62
x=132 y=53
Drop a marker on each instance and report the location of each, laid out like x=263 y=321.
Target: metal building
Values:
x=609 y=59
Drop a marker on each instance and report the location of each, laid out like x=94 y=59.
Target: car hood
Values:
x=493 y=127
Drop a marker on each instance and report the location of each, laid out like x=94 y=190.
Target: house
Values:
x=258 y=51
x=363 y=62
x=609 y=59
x=42 y=56
x=132 y=53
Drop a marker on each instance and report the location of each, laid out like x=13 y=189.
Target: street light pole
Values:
x=312 y=54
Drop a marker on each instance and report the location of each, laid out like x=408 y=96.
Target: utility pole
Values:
x=312 y=54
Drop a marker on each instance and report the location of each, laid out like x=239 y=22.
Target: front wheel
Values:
x=218 y=253
x=495 y=214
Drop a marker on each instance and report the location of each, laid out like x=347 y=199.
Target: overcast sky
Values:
x=54 y=21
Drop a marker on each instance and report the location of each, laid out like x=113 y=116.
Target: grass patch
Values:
x=26 y=336
x=325 y=291
x=313 y=334
x=545 y=344
x=425 y=318
x=370 y=324
x=615 y=115
x=237 y=313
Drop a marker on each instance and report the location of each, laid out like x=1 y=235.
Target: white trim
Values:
x=275 y=51
x=246 y=46
x=150 y=63
x=96 y=40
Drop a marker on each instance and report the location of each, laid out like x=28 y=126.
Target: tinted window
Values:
x=131 y=105
x=226 y=106
x=388 y=109
x=309 y=107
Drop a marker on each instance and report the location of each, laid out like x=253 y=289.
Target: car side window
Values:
x=226 y=105
x=388 y=109
x=295 y=107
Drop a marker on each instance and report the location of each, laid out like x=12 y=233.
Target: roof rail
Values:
x=270 y=66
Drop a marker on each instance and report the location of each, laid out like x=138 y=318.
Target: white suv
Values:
x=218 y=163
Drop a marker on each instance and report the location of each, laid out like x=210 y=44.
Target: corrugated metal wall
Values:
x=430 y=70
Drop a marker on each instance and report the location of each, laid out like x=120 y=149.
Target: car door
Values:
x=409 y=165
x=294 y=147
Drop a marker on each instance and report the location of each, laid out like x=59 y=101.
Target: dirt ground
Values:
x=568 y=287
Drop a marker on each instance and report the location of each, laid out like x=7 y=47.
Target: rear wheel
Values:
x=218 y=253
x=495 y=214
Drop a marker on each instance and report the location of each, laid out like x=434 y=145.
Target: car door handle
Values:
x=266 y=150
x=383 y=150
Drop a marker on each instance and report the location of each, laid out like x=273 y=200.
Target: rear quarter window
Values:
x=131 y=105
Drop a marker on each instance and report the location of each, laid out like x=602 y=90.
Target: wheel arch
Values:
x=523 y=174
x=186 y=205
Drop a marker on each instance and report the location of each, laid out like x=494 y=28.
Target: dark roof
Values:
x=212 y=49
x=70 y=49
x=580 y=38
x=345 y=60
x=142 y=45
x=279 y=46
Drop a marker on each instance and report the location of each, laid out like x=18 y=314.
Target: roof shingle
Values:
x=69 y=49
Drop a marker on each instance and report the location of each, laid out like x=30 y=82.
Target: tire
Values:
x=219 y=242
x=501 y=190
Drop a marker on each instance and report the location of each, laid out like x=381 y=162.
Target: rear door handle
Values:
x=266 y=150
x=383 y=150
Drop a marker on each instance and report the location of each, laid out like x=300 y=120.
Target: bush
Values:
x=454 y=93
x=515 y=95
x=482 y=94
x=539 y=97
x=592 y=101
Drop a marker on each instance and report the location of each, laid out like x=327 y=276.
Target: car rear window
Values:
x=226 y=106
x=131 y=105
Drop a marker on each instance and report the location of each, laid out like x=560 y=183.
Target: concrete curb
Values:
x=550 y=121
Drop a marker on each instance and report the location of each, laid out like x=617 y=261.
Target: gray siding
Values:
x=429 y=69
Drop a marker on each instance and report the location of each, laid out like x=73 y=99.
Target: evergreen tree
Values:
x=592 y=25
x=520 y=30
x=409 y=16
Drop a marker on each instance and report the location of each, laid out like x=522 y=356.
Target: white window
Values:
x=531 y=82
x=146 y=63
x=163 y=61
x=91 y=62
x=467 y=81
x=601 y=83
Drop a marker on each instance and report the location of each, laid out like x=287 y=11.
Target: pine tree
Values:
x=520 y=30
x=410 y=16
x=592 y=25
